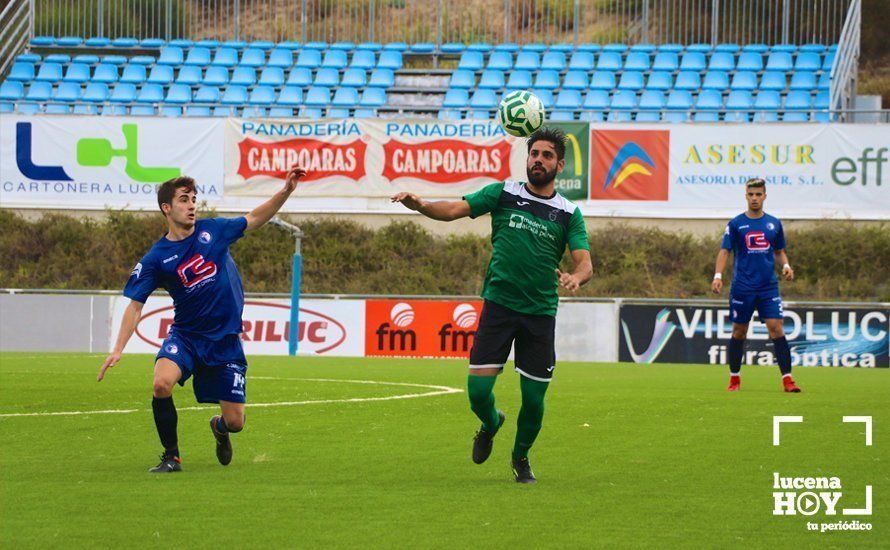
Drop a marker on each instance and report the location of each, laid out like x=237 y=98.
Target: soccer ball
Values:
x=521 y=113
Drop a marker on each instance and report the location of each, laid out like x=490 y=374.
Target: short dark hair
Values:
x=554 y=135
x=167 y=190
x=755 y=182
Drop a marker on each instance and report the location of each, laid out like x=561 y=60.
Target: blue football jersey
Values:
x=199 y=274
x=754 y=242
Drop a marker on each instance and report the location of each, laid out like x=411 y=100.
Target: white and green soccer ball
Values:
x=521 y=113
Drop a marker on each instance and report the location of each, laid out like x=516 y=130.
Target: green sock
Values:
x=479 y=388
x=530 y=415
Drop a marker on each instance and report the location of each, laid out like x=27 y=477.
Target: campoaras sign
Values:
x=326 y=327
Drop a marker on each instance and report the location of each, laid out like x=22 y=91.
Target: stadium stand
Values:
x=590 y=82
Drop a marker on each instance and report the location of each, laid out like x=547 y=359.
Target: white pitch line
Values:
x=438 y=390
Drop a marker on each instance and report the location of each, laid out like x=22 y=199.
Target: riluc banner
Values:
x=80 y=161
x=819 y=337
x=376 y=158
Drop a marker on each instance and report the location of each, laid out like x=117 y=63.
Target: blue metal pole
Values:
x=292 y=343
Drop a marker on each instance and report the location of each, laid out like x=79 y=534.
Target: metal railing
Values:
x=442 y=21
x=846 y=60
x=15 y=29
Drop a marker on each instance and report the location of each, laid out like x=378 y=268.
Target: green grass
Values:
x=630 y=456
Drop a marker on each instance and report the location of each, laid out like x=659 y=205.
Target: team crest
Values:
x=771 y=226
x=204 y=237
x=137 y=271
x=552 y=215
x=172 y=348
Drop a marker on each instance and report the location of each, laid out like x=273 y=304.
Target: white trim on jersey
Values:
x=556 y=201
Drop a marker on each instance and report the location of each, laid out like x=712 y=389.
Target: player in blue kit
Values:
x=192 y=262
x=758 y=241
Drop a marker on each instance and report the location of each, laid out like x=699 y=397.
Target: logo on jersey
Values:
x=195 y=270
x=756 y=241
x=172 y=348
x=137 y=271
x=770 y=226
x=629 y=165
x=205 y=237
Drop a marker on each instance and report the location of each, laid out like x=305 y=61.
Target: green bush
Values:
x=833 y=260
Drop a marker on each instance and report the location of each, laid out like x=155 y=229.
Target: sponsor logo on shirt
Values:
x=756 y=241
x=171 y=258
x=195 y=270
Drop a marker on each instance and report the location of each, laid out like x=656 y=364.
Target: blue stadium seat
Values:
x=309 y=59
x=422 y=48
x=197 y=110
x=756 y=48
x=264 y=45
x=337 y=112
x=57 y=109
x=813 y=48
x=21 y=72
x=822 y=103
x=328 y=77
x=622 y=105
x=243 y=76
x=547 y=80
x=381 y=78
x=766 y=106
x=471 y=61
x=60 y=58
x=660 y=80
x=492 y=79
x=69 y=41
x=88 y=59
x=43 y=41
x=372 y=113
x=68 y=92
x=802 y=80
x=123 y=93
x=234 y=95
x=41 y=91
x=561 y=116
x=161 y=74
x=115 y=60
x=315 y=45
x=575 y=80
x=225 y=57
x=153 y=43
x=692 y=61
x=170 y=55
x=503 y=61
x=354 y=78
x=82 y=109
x=519 y=80
x=263 y=95
x=674 y=116
x=750 y=61
x=615 y=48
x=189 y=75
x=699 y=48
x=252 y=57
x=709 y=100
x=534 y=47
x=272 y=76
x=511 y=47
x=706 y=116
x=146 y=60
x=546 y=97
x=824 y=81
x=281 y=112
x=688 y=80
x=363 y=59
x=290 y=96
x=207 y=94
x=300 y=76
x=49 y=72
x=609 y=61
x=652 y=100
x=739 y=100
x=592 y=116
x=798 y=100
x=373 y=97
x=665 y=61
x=208 y=43
x=28 y=108
x=562 y=47
x=335 y=59
x=77 y=72
x=28 y=57
x=637 y=61
x=553 y=61
x=198 y=56
x=588 y=47
x=456 y=98
x=216 y=76
x=779 y=61
x=483 y=99
x=828 y=61
x=568 y=99
x=679 y=100
x=715 y=80
x=796 y=116
x=105 y=73
x=631 y=80
x=150 y=93
x=602 y=80
x=317 y=96
x=647 y=48
x=178 y=94
x=11 y=91
x=744 y=80
x=772 y=80
x=597 y=100
x=786 y=48
x=581 y=61
x=396 y=47
x=390 y=59
x=671 y=48
x=721 y=61
x=462 y=78
x=183 y=43
x=453 y=47
x=648 y=116
x=345 y=97
x=727 y=48
x=281 y=58
x=142 y=110
x=807 y=61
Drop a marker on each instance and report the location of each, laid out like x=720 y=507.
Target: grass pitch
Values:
x=630 y=456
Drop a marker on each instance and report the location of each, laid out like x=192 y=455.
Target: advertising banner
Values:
x=819 y=337
x=420 y=328
x=90 y=161
x=327 y=327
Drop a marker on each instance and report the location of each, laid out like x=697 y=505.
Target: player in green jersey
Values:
x=531 y=224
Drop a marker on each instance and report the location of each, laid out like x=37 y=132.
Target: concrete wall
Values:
x=54 y=322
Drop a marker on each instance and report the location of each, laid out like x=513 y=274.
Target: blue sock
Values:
x=736 y=350
x=783 y=355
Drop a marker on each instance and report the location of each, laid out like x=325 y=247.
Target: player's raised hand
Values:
x=716 y=285
x=110 y=361
x=568 y=281
x=293 y=176
x=788 y=273
x=410 y=200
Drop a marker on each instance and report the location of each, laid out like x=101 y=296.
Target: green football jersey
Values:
x=529 y=234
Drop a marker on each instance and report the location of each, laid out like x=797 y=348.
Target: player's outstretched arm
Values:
x=582 y=273
x=445 y=211
x=717 y=281
x=264 y=212
x=782 y=259
x=128 y=326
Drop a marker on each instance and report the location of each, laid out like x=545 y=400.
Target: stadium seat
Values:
x=483 y=99
x=60 y=58
x=95 y=92
x=637 y=61
x=699 y=48
x=560 y=115
x=615 y=47
x=709 y=100
x=471 y=61
x=721 y=61
x=779 y=61
x=744 y=80
x=281 y=58
x=546 y=96
x=739 y=100
x=665 y=61
x=178 y=94
x=824 y=81
x=183 y=43
x=243 y=76
x=715 y=80
x=335 y=59
x=225 y=57
x=706 y=116
x=813 y=48
x=153 y=43
x=363 y=59
x=750 y=61
x=43 y=41
x=772 y=80
x=648 y=116
x=609 y=61
x=647 y=48
x=199 y=57
x=592 y=116
x=456 y=98
x=57 y=109
x=216 y=76
x=785 y=48
x=300 y=76
x=343 y=45
x=503 y=61
x=207 y=94
x=575 y=80
x=492 y=79
x=622 y=105
x=105 y=73
x=281 y=112
x=766 y=106
x=21 y=72
x=568 y=99
x=82 y=109
x=115 y=60
x=345 y=97
x=69 y=41
x=519 y=80
x=552 y=61
x=290 y=96
x=688 y=80
x=123 y=93
x=755 y=48
x=802 y=80
x=170 y=55
x=631 y=80
x=264 y=45
x=602 y=80
x=807 y=61
x=652 y=100
x=536 y=47
x=828 y=61
x=547 y=80
x=77 y=72
x=660 y=80
x=208 y=43
x=189 y=75
x=41 y=91
x=337 y=112
x=390 y=59
x=87 y=59
x=11 y=91
x=373 y=97
x=28 y=57
x=796 y=116
x=462 y=78
x=150 y=93
x=309 y=59
x=253 y=57
x=234 y=95
x=372 y=113
x=597 y=100
x=396 y=47
x=317 y=96
x=272 y=76
x=28 y=108
x=253 y=111
x=822 y=103
x=265 y=95
x=328 y=78
x=727 y=48
x=692 y=61
x=671 y=48
x=354 y=78
x=315 y=45
x=161 y=74
x=581 y=61
x=197 y=110
x=143 y=110
x=679 y=100
x=453 y=47
x=381 y=78
x=49 y=72
x=588 y=47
